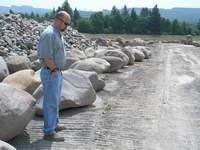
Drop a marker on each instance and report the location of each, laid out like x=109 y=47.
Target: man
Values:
x=52 y=56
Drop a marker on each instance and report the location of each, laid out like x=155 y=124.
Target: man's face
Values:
x=64 y=23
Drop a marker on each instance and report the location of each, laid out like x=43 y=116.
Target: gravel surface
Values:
x=151 y=105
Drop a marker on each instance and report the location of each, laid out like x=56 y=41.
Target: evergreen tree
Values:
x=175 y=26
x=133 y=15
x=144 y=12
x=117 y=23
x=46 y=15
x=97 y=22
x=59 y=9
x=125 y=10
x=150 y=13
x=106 y=21
x=155 y=21
x=180 y=29
x=76 y=16
x=11 y=12
x=168 y=26
x=163 y=22
x=114 y=11
x=142 y=25
x=83 y=25
x=66 y=7
x=129 y=23
x=184 y=27
x=32 y=16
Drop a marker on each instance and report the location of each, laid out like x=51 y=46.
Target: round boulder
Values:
x=16 y=63
x=17 y=109
x=26 y=80
x=77 y=90
x=139 y=55
x=6 y=146
x=76 y=54
x=93 y=64
x=129 y=54
x=115 y=63
x=118 y=53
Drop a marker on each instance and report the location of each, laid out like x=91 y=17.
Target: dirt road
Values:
x=151 y=105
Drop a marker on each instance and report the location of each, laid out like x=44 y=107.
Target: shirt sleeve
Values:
x=46 y=46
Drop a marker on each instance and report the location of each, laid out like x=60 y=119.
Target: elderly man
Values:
x=52 y=56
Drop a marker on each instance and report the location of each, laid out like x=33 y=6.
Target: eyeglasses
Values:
x=67 y=24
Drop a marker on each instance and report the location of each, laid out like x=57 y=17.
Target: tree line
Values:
x=148 y=22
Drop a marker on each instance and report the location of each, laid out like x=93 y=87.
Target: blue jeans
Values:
x=52 y=86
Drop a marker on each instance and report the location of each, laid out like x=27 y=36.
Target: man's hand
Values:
x=55 y=73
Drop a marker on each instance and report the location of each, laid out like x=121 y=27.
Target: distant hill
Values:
x=189 y=15
x=24 y=9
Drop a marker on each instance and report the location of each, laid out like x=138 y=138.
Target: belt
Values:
x=50 y=69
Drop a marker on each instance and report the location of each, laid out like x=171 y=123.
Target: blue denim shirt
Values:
x=51 y=45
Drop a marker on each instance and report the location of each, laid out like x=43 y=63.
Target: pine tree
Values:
x=97 y=22
x=144 y=12
x=168 y=26
x=11 y=12
x=66 y=7
x=125 y=10
x=76 y=17
x=32 y=16
x=46 y=15
x=114 y=11
x=175 y=27
x=133 y=15
x=155 y=21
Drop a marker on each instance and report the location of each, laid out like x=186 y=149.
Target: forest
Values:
x=122 y=21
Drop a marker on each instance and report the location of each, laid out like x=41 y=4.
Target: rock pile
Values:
x=19 y=37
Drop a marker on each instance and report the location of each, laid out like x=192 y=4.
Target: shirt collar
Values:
x=58 y=31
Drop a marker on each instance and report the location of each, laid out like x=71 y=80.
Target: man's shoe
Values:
x=59 y=128
x=54 y=137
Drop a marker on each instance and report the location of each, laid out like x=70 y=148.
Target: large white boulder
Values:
x=92 y=64
x=76 y=54
x=115 y=63
x=139 y=55
x=3 y=69
x=69 y=62
x=17 y=63
x=98 y=84
x=100 y=52
x=77 y=90
x=17 y=109
x=6 y=146
x=26 y=80
x=145 y=50
x=138 y=42
x=118 y=53
x=89 y=52
x=129 y=54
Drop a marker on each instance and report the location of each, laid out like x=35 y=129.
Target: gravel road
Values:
x=151 y=105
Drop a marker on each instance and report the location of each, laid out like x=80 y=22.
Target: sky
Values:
x=99 y=5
